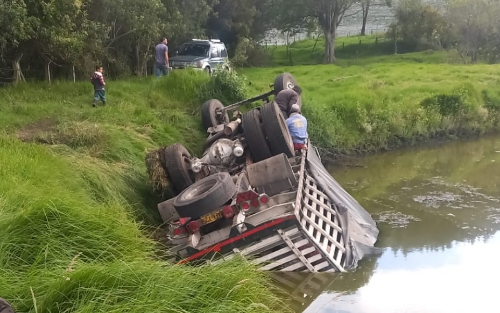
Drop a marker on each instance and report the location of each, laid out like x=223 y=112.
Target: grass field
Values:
x=76 y=210
x=371 y=100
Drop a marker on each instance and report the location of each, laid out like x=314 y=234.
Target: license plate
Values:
x=212 y=217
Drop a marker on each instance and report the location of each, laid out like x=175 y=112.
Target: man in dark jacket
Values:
x=98 y=81
x=5 y=307
x=286 y=98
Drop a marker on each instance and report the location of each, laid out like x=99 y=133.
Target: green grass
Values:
x=77 y=214
x=381 y=101
x=354 y=50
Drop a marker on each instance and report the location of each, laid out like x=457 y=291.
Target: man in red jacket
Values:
x=98 y=81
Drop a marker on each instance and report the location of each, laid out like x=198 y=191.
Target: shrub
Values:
x=462 y=101
x=227 y=86
x=248 y=53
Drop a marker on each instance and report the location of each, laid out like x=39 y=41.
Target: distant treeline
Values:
x=65 y=39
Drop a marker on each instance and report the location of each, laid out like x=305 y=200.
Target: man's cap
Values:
x=295 y=108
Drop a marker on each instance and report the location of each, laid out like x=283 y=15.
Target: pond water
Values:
x=438 y=211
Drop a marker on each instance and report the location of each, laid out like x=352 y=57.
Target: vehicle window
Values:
x=215 y=52
x=197 y=50
x=223 y=52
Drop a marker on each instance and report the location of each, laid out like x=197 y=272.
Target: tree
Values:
x=475 y=25
x=327 y=13
x=419 y=26
x=17 y=27
x=365 y=9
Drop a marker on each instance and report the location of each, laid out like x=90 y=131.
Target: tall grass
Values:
x=76 y=210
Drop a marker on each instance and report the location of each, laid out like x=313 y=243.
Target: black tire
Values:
x=177 y=162
x=209 y=114
x=285 y=81
x=278 y=135
x=255 y=136
x=208 y=70
x=205 y=196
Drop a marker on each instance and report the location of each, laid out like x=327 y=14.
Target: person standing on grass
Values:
x=286 y=98
x=297 y=124
x=98 y=81
x=161 y=58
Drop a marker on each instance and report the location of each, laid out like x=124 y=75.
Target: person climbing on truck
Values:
x=286 y=98
x=297 y=124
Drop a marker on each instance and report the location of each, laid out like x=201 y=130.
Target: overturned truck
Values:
x=252 y=195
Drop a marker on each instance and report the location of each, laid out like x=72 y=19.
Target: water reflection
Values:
x=459 y=279
x=438 y=211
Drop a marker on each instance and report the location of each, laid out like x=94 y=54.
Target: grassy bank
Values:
x=380 y=101
x=76 y=211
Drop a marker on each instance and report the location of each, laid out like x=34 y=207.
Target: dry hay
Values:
x=158 y=175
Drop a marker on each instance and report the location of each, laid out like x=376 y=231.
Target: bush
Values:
x=462 y=101
x=419 y=27
x=227 y=86
x=248 y=53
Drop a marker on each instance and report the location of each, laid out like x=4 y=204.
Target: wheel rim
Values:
x=199 y=190
x=220 y=116
x=290 y=85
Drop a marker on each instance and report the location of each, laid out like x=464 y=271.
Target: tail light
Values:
x=193 y=227
x=228 y=212
x=178 y=228
x=246 y=196
x=264 y=199
x=251 y=199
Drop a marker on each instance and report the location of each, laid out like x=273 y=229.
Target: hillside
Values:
x=372 y=99
x=76 y=210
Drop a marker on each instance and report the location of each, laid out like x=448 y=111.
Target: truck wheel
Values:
x=255 y=137
x=177 y=162
x=205 y=196
x=285 y=81
x=209 y=114
x=278 y=135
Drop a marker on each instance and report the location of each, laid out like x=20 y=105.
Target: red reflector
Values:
x=245 y=206
x=264 y=199
x=177 y=231
x=245 y=196
x=255 y=203
x=193 y=227
x=227 y=211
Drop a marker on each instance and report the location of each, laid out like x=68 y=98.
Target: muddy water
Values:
x=438 y=211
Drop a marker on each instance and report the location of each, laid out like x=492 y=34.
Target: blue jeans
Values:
x=161 y=69
x=99 y=95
